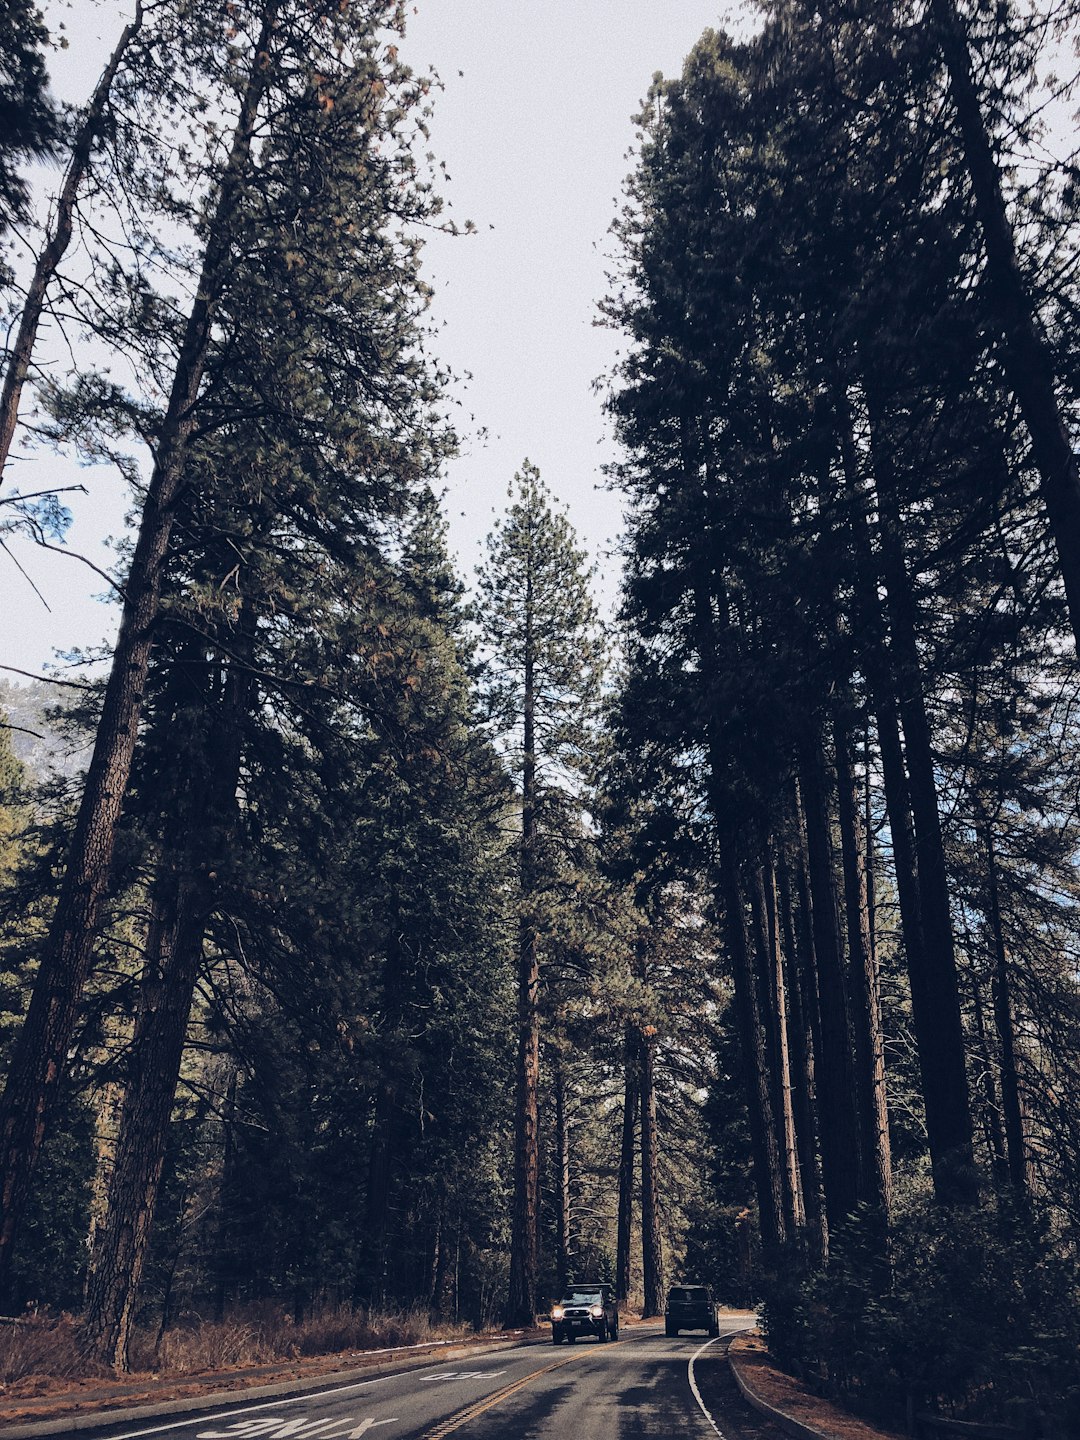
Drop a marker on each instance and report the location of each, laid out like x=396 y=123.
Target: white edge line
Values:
x=195 y=1419
x=693 y=1383
x=247 y=1409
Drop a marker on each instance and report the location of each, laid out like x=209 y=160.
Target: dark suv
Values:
x=691 y=1307
x=585 y=1310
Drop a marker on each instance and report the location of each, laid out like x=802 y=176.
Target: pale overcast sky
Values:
x=534 y=132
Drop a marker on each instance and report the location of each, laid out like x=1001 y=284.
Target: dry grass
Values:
x=46 y=1349
x=261 y=1336
x=45 y=1346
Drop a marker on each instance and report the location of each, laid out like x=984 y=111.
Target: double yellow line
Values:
x=455 y=1422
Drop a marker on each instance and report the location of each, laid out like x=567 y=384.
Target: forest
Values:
x=382 y=950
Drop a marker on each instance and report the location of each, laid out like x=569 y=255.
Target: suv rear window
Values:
x=688 y=1295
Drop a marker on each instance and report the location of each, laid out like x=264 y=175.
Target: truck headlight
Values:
x=556 y=1312
x=597 y=1312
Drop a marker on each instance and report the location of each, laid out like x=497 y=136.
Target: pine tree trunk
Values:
x=833 y=1071
x=199 y=842
x=41 y=1050
x=224 y=1259
x=875 y=1166
x=562 y=1165
x=768 y=1177
x=377 y=1202
x=651 y=1251
x=800 y=1049
x=1026 y=357
x=525 y=1226
x=991 y=1108
x=935 y=996
x=772 y=1004
x=631 y=1088
x=90 y=127
x=1012 y=1111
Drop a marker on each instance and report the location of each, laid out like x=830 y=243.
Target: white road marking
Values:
x=247 y=1409
x=693 y=1383
x=463 y=1375
x=274 y=1428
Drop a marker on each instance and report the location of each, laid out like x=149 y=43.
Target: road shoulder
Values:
x=776 y=1394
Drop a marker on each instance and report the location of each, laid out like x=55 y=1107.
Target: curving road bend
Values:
x=642 y=1386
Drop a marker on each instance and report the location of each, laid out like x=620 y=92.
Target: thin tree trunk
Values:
x=875 y=1167
x=651 y=1252
x=55 y=247
x=800 y=1050
x=562 y=1178
x=935 y=997
x=525 y=1226
x=991 y=1108
x=768 y=1179
x=772 y=1002
x=41 y=1050
x=833 y=1069
x=224 y=1260
x=631 y=1087
x=182 y=903
x=377 y=1203
x=1026 y=356
x=1012 y=1111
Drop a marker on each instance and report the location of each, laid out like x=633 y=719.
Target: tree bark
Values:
x=56 y=246
x=200 y=842
x=768 y=1178
x=1011 y=1108
x=651 y=1249
x=562 y=1178
x=1026 y=356
x=875 y=1166
x=935 y=997
x=631 y=1087
x=772 y=1002
x=833 y=1070
x=40 y=1054
x=800 y=1050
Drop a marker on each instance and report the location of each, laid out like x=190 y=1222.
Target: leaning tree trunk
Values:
x=651 y=1250
x=203 y=827
x=624 y=1229
x=89 y=128
x=1026 y=356
x=41 y=1050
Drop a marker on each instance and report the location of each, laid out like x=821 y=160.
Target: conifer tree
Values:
x=541 y=639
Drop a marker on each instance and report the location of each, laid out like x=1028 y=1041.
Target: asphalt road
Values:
x=643 y=1385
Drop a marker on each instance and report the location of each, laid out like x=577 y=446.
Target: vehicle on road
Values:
x=585 y=1310
x=691 y=1307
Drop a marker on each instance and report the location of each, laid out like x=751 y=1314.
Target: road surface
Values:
x=642 y=1387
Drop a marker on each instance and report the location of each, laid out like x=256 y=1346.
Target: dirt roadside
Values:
x=770 y=1389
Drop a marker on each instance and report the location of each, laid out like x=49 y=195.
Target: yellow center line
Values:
x=462 y=1417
